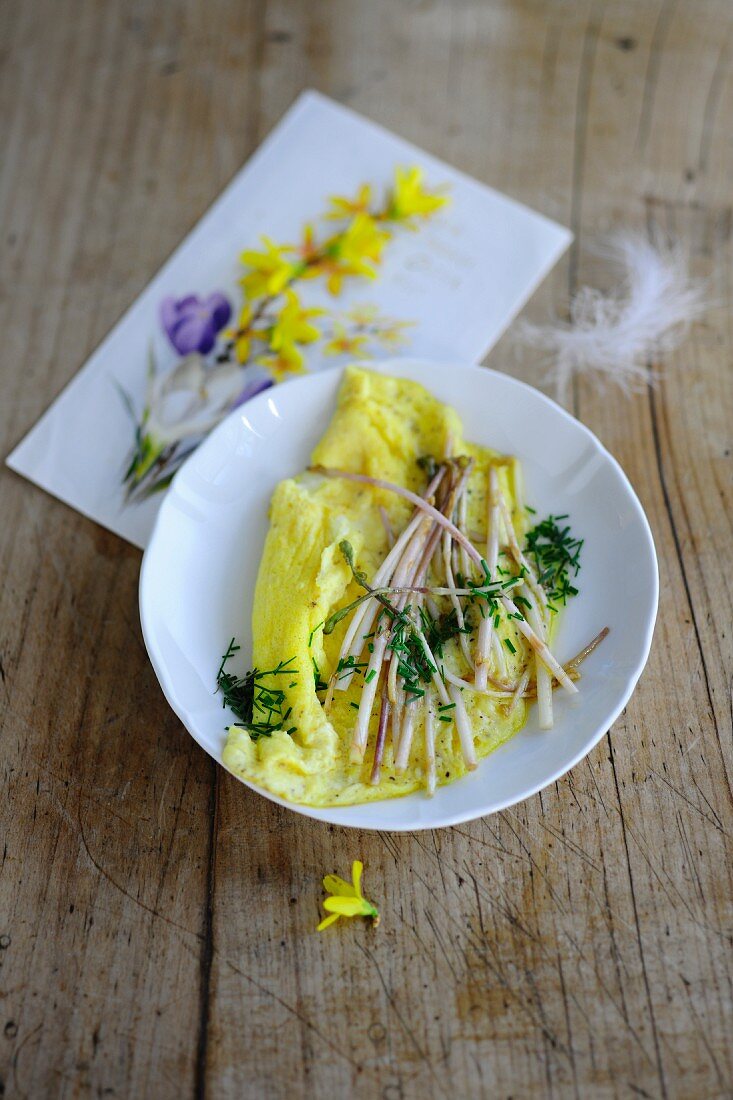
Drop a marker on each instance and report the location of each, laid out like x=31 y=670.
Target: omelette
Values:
x=333 y=724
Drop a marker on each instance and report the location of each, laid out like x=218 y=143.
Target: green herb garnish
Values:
x=347 y=665
x=413 y=663
x=557 y=557
x=320 y=683
x=258 y=705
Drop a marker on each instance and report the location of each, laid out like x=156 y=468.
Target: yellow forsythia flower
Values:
x=279 y=367
x=292 y=327
x=363 y=314
x=352 y=252
x=361 y=244
x=344 y=343
x=270 y=271
x=242 y=335
x=394 y=334
x=347 y=899
x=342 y=207
x=335 y=270
x=409 y=197
x=308 y=250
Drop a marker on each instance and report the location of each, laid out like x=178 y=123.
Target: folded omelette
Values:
x=382 y=427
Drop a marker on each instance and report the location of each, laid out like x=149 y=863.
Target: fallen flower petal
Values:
x=346 y=898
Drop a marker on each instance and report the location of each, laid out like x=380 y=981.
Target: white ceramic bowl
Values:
x=199 y=571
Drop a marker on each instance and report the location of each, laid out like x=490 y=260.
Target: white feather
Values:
x=612 y=337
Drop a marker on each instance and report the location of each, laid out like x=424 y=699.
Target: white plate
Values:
x=199 y=571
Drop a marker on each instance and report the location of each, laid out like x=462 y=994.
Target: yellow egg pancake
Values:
x=381 y=427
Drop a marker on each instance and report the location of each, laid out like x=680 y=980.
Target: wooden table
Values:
x=156 y=918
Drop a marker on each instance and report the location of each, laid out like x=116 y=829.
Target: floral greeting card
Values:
x=337 y=241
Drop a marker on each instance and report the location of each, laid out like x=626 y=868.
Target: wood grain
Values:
x=156 y=918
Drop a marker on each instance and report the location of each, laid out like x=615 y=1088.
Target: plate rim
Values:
x=325 y=814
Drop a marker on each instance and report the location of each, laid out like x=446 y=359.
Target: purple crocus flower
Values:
x=191 y=323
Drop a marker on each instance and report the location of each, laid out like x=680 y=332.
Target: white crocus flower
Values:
x=190 y=400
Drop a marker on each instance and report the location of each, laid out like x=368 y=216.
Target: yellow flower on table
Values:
x=293 y=327
x=345 y=343
x=347 y=899
x=410 y=198
x=270 y=271
x=342 y=207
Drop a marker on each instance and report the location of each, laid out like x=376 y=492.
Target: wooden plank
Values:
x=106 y=829
x=161 y=917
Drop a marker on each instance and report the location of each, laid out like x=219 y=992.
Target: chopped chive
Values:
x=232 y=648
x=257 y=706
x=556 y=555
